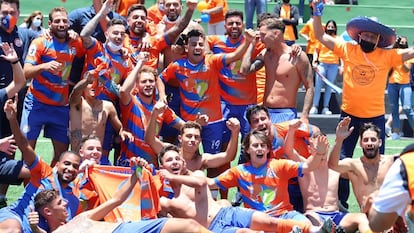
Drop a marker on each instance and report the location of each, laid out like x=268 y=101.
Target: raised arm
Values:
x=250 y=35
x=19 y=80
x=176 y=30
x=325 y=39
x=248 y=65
x=28 y=154
x=342 y=132
x=219 y=159
x=75 y=98
x=86 y=33
x=129 y=83
x=150 y=133
x=319 y=149
x=290 y=142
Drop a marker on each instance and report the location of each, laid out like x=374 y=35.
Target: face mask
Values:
x=161 y=7
x=8 y=22
x=37 y=22
x=330 y=31
x=403 y=46
x=366 y=46
x=113 y=46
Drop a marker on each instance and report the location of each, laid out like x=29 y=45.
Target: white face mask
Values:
x=113 y=46
x=161 y=7
x=37 y=22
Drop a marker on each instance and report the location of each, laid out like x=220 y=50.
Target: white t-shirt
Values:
x=393 y=196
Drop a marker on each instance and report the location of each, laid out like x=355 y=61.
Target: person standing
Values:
x=289 y=14
x=327 y=64
x=250 y=6
x=366 y=65
x=49 y=62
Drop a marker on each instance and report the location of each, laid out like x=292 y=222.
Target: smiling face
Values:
x=68 y=167
x=59 y=24
x=91 y=150
x=258 y=150
x=261 y=121
x=370 y=144
x=195 y=49
x=137 y=22
x=145 y=84
x=172 y=162
x=234 y=27
x=116 y=34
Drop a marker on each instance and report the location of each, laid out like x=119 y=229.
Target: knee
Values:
x=407 y=109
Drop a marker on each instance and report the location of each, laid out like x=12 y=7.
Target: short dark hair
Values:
x=369 y=126
x=68 y=152
x=194 y=33
x=135 y=7
x=333 y=22
x=56 y=9
x=232 y=13
x=115 y=22
x=12 y=1
x=259 y=135
x=165 y=149
x=254 y=110
x=273 y=23
x=44 y=197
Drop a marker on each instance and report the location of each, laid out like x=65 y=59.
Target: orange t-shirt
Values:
x=217 y=17
x=260 y=83
x=154 y=14
x=326 y=55
x=365 y=78
x=312 y=42
x=289 y=31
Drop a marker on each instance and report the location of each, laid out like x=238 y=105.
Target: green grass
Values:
x=45 y=150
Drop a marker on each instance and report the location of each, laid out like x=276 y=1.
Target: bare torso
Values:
x=196 y=204
x=320 y=189
x=89 y=119
x=367 y=178
x=81 y=223
x=282 y=80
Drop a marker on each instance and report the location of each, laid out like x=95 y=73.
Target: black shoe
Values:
x=3 y=202
x=237 y=201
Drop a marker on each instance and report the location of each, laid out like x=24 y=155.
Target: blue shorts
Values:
x=108 y=136
x=239 y=112
x=174 y=104
x=147 y=226
x=212 y=136
x=230 y=219
x=10 y=170
x=336 y=216
x=278 y=115
x=293 y=215
x=53 y=119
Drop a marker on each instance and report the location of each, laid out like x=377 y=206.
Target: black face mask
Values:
x=330 y=31
x=366 y=46
x=403 y=46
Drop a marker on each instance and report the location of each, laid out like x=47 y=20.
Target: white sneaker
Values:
x=326 y=111
x=313 y=110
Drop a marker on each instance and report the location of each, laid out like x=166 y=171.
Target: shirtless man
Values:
x=284 y=75
x=52 y=207
x=190 y=139
x=192 y=199
x=366 y=173
x=320 y=193
x=88 y=115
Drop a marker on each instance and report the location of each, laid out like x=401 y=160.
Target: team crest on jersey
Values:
x=73 y=51
x=18 y=42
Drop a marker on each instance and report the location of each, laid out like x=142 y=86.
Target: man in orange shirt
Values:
x=366 y=65
x=289 y=14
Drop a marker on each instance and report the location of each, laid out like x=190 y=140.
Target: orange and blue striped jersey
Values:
x=157 y=45
x=53 y=88
x=235 y=88
x=199 y=86
x=43 y=178
x=135 y=118
x=264 y=188
x=116 y=66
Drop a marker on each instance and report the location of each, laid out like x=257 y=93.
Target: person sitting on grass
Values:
x=50 y=205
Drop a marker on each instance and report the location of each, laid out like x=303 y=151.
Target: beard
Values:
x=370 y=153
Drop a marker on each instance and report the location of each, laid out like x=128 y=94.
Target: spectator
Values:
x=289 y=14
x=156 y=12
x=250 y=6
x=327 y=64
x=217 y=10
x=34 y=22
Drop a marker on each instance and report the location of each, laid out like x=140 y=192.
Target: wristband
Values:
x=14 y=62
x=318 y=9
